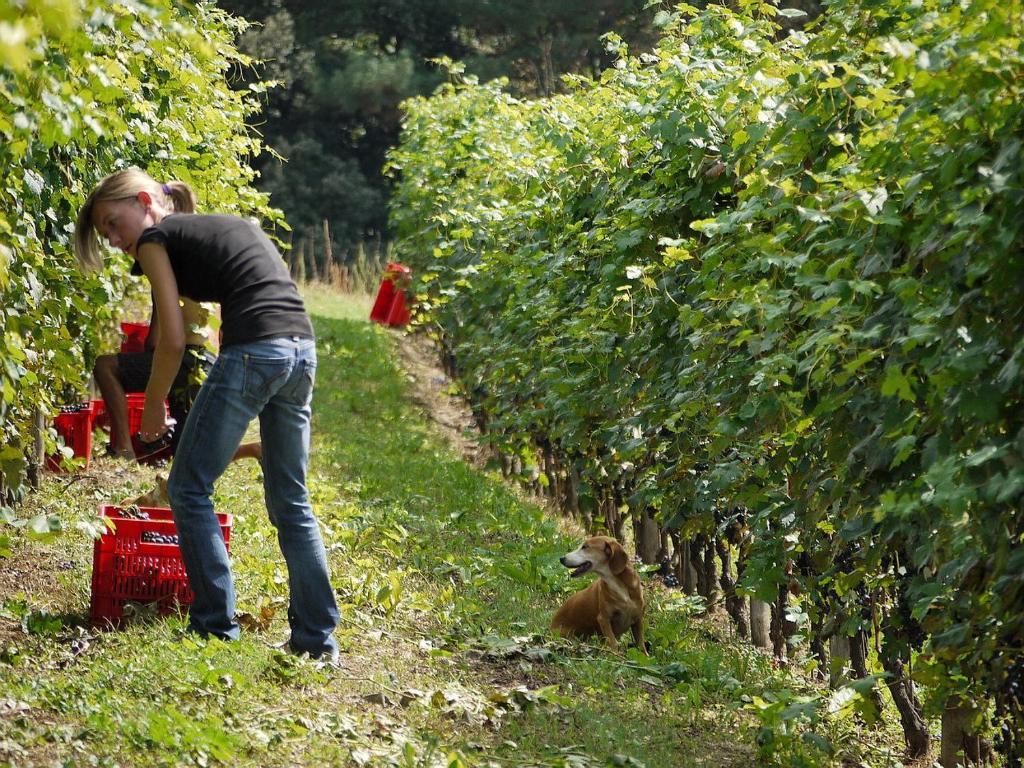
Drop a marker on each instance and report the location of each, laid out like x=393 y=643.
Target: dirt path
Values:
x=432 y=390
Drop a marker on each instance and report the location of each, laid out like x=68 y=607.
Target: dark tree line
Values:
x=344 y=68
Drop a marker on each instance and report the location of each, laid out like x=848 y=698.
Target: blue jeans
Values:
x=271 y=379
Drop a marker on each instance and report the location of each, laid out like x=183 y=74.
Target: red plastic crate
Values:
x=134 y=337
x=76 y=431
x=382 y=304
x=127 y=569
x=389 y=307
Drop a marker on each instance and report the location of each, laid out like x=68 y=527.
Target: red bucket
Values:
x=134 y=337
x=390 y=308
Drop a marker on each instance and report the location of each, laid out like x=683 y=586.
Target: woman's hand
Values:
x=154 y=421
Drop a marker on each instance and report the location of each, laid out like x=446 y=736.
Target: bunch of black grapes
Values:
x=132 y=512
x=1010 y=710
x=152 y=537
x=667 y=572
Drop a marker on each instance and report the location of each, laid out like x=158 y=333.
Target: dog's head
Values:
x=600 y=554
x=156 y=497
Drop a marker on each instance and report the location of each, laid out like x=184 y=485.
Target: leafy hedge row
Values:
x=87 y=87
x=769 y=280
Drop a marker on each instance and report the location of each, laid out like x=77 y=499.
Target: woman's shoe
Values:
x=123 y=453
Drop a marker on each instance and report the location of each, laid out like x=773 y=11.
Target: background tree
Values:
x=343 y=70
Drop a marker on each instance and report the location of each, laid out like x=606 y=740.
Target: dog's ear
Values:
x=617 y=560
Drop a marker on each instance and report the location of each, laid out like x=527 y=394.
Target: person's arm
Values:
x=171 y=340
x=154 y=326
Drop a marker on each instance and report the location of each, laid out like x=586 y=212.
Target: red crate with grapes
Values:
x=138 y=561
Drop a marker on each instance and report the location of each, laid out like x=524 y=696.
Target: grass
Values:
x=446 y=579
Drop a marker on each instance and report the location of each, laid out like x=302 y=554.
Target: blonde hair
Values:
x=175 y=196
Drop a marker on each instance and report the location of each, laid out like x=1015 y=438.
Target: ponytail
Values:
x=180 y=196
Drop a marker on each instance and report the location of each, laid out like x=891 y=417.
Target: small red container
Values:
x=389 y=308
x=76 y=431
x=134 y=337
x=127 y=569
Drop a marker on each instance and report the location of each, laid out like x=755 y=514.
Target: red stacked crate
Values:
x=74 y=425
x=128 y=568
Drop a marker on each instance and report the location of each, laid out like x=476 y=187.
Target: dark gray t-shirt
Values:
x=229 y=260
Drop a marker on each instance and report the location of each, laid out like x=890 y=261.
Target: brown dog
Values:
x=611 y=604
